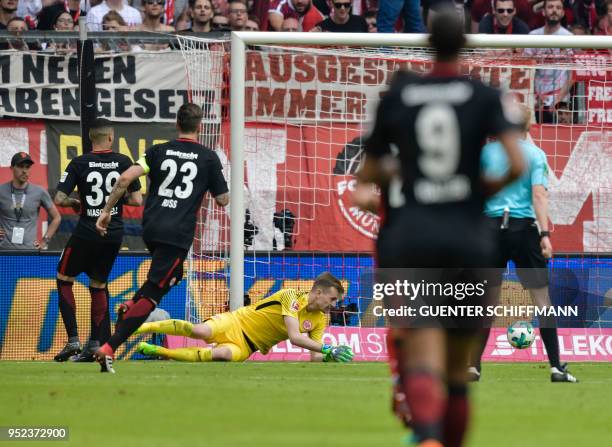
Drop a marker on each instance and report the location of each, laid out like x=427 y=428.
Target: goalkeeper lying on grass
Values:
x=285 y=315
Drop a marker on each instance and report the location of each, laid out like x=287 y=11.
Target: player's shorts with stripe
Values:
x=226 y=332
x=93 y=258
x=166 y=264
x=520 y=243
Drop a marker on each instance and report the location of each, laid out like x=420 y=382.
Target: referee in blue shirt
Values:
x=519 y=212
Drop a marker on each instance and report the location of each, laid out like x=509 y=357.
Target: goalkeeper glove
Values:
x=337 y=353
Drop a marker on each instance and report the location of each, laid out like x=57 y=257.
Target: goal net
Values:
x=306 y=110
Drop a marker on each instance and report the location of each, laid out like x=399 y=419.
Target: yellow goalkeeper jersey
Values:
x=264 y=325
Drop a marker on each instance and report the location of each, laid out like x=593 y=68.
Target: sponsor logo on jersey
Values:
x=307 y=325
x=102 y=165
x=183 y=155
x=347 y=164
x=63 y=177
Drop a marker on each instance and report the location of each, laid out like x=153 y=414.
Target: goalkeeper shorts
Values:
x=226 y=332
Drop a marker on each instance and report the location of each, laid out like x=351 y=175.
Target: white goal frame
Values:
x=241 y=39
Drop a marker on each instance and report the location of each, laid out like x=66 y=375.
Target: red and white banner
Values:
x=308 y=171
x=599 y=103
x=369 y=345
x=305 y=87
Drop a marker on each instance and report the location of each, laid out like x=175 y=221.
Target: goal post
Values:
x=240 y=42
x=286 y=113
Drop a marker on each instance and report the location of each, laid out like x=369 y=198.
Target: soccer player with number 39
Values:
x=94 y=175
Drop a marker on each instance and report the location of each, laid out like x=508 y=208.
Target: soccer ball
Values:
x=521 y=334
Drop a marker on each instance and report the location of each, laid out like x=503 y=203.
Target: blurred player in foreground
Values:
x=93 y=174
x=180 y=171
x=424 y=153
x=524 y=239
x=285 y=315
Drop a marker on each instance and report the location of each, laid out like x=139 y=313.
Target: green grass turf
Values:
x=289 y=404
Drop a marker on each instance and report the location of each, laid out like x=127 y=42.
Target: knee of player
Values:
x=222 y=354
x=93 y=283
x=201 y=331
x=65 y=278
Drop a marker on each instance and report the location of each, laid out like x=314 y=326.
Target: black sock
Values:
x=67 y=307
x=100 y=318
x=131 y=320
x=551 y=342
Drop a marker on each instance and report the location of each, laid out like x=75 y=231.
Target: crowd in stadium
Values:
x=384 y=16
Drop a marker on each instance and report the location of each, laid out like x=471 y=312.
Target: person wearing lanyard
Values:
x=20 y=202
x=519 y=215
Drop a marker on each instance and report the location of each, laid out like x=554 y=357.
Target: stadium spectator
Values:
x=582 y=12
x=8 y=10
x=304 y=11
x=290 y=25
x=201 y=13
x=604 y=25
x=152 y=21
x=564 y=112
x=370 y=18
x=578 y=30
x=17 y=26
x=63 y=22
x=152 y=15
x=238 y=15
x=220 y=7
x=220 y=23
x=20 y=202
x=113 y=21
x=552 y=86
x=47 y=16
x=341 y=20
x=503 y=20
x=29 y=10
x=389 y=11
x=252 y=24
x=524 y=11
x=131 y=16
x=360 y=7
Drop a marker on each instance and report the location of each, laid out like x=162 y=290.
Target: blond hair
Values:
x=326 y=280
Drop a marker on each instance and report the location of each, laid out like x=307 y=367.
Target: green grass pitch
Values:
x=157 y=403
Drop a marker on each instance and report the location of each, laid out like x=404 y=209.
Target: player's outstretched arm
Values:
x=121 y=186
x=329 y=353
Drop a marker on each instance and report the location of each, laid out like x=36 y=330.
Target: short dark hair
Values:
x=100 y=122
x=99 y=129
x=326 y=280
x=496 y=1
x=18 y=19
x=447 y=34
x=189 y=117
